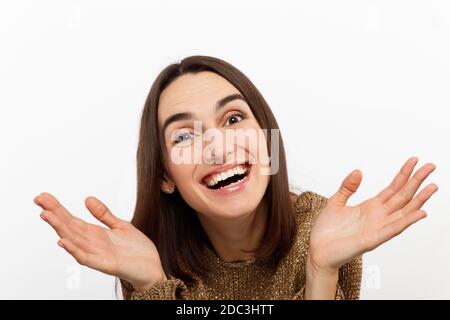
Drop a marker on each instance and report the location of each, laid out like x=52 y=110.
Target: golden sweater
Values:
x=257 y=279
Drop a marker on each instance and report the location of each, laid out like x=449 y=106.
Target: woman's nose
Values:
x=217 y=153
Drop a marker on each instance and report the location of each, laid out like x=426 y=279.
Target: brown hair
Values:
x=167 y=219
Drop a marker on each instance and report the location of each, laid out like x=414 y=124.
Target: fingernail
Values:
x=35 y=201
x=61 y=245
x=43 y=217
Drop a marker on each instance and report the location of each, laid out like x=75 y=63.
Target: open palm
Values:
x=120 y=249
x=342 y=232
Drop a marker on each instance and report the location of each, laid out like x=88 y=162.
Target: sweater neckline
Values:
x=236 y=264
x=211 y=254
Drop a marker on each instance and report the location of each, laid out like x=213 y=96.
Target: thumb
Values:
x=348 y=187
x=101 y=212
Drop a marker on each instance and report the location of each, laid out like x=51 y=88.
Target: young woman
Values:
x=220 y=227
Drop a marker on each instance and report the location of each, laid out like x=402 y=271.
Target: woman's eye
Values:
x=183 y=137
x=234 y=119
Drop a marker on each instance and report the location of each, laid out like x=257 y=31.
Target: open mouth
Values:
x=228 y=177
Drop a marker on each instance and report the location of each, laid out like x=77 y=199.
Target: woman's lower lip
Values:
x=232 y=189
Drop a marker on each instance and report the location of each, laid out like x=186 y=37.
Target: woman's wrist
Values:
x=321 y=282
x=147 y=285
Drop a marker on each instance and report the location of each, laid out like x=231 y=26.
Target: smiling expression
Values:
x=224 y=179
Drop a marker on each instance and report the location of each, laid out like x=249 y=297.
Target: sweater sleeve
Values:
x=170 y=289
x=350 y=275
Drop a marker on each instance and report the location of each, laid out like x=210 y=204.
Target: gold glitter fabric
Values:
x=256 y=278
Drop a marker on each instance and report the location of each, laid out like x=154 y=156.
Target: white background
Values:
x=353 y=84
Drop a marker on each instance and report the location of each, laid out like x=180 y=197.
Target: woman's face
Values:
x=219 y=172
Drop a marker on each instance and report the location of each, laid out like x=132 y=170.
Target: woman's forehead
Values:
x=191 y=90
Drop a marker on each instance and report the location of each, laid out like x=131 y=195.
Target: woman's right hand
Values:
x=120 y=250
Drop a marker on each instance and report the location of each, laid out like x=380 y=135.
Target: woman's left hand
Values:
x=342 y=232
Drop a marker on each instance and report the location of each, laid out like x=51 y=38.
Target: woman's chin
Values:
x=231 y=210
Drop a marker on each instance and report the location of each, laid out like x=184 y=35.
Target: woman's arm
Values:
x=320 y=284
x=343 y=284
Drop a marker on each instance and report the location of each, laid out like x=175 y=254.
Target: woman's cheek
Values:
x=183 y=176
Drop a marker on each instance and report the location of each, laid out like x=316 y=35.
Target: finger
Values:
x=415 y=205
x=405 y=194
x=48 y=202
x=101 y=212
x=56 y=223
x=419 y=200
x=399 y=225
x=75 y=231
x=80 y=255
x=399 y=181
x=348 y=187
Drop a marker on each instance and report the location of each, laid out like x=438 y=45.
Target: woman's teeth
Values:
x=216 y=178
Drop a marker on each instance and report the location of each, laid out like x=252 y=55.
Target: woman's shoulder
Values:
x=308 y=203
x=306 y=207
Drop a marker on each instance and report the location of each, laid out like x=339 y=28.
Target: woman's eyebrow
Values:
x=227 y=99
x=177 y=117
x=189 y=115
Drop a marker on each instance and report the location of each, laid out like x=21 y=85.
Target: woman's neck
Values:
x=232 y=237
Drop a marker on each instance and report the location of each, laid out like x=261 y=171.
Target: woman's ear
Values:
x=167 y=185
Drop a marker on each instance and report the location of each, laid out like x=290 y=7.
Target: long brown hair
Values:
x=167 y=219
